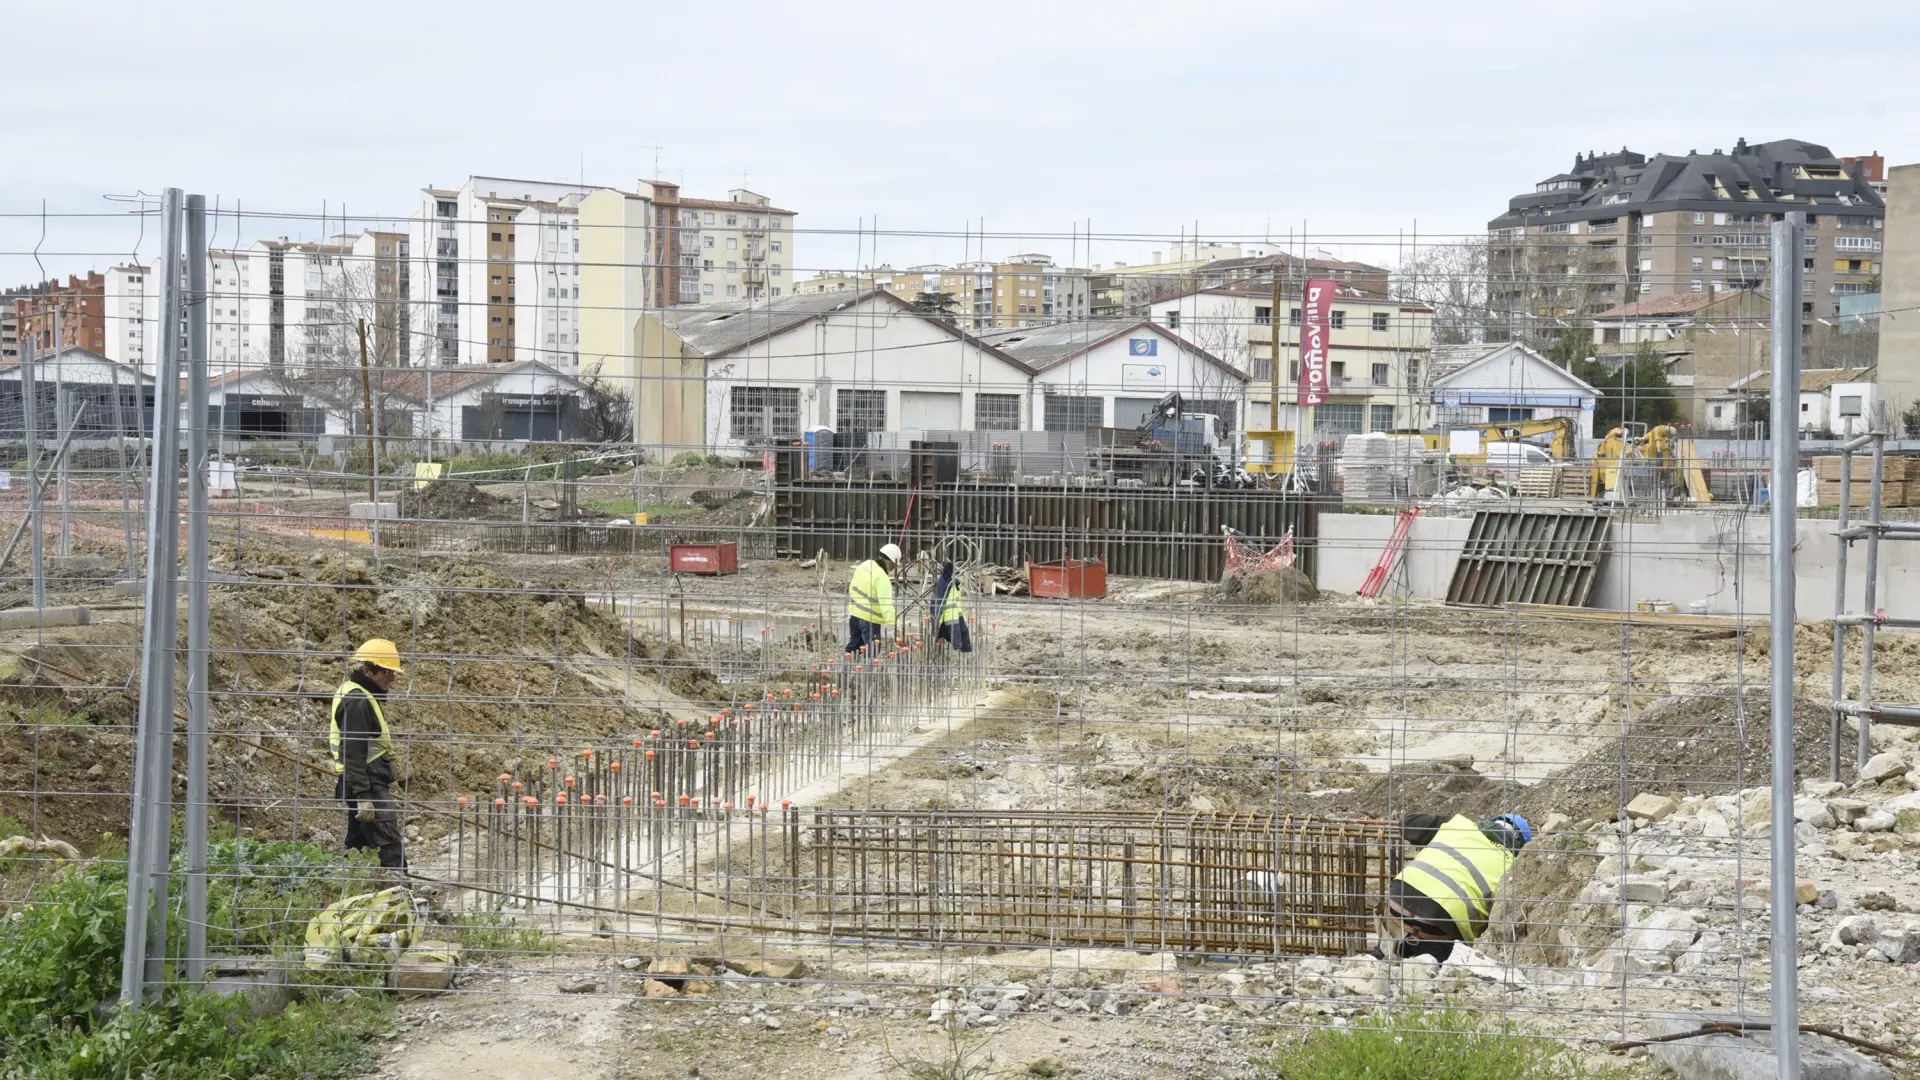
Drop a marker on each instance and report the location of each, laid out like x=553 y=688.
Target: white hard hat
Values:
x=891 y=551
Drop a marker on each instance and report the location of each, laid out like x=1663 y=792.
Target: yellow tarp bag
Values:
x=361 y=928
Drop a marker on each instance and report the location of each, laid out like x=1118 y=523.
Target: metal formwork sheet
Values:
x=1530 y=557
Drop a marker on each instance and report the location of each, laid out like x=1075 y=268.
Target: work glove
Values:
x=364 y=810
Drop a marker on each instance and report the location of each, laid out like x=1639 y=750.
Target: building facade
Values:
x=1622 y=227
x=57 y=316
x=1378 y=354
x=1113 y=372
x=1024 y=290
x=854 y=362
x=496 y=262
x=131 y=304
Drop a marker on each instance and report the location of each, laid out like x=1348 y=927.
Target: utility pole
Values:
x=197 y=627
x=145 y=949
x=1782 y=496
x=373 y=453
x=30 y=399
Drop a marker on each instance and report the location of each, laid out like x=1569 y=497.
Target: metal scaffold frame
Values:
x=1865 y=711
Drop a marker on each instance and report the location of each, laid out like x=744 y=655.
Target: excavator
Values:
x=1559 y=441
x=1676 y=467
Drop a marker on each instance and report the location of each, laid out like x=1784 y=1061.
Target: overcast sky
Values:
x=1243 y=120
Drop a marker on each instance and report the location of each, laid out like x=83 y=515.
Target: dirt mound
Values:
x=1711 y=742
x=1268 y=587
x=454 y=500
x=1428 y=789
x=495 y=670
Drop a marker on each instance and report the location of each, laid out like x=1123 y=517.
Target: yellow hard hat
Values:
x=380 y=653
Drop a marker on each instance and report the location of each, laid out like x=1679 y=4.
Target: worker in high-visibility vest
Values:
x=362 y=748
x=1446 y=893
x=950 y=610
x=870 y=598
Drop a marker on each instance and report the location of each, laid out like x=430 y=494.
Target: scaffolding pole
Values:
x=1782 y=500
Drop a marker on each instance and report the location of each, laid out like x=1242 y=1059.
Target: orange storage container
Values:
x=1071 y=579
x=722 y=558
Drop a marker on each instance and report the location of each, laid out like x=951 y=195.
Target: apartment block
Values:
x=650 y=248
x=132 y=303
x=1622 y=227
x=1022 y=290
x=56 y=316
x=1379 y=352
x=496 y=264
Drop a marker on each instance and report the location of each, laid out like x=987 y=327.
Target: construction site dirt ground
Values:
x=1161 y=696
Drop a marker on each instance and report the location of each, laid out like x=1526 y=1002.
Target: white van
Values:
x=1508 y=458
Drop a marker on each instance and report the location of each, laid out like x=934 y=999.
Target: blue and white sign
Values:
x=1143 y=346
x=1143 y=377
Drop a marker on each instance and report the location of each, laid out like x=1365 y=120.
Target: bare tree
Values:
x=327 y=364
x=1139 y=292
x=1451 y=279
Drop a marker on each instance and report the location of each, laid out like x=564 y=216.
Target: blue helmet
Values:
x=1520 y=825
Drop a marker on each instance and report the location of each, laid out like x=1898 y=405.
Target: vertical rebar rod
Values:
x=197 y=627
x=153 y=762
x=1784 y=487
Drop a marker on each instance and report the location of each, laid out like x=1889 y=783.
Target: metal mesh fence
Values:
x=1167 y=786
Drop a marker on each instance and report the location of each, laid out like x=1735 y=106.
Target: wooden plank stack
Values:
x=1899 y=483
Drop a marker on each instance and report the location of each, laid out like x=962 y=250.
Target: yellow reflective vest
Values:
x=870 y=594
x=382 y=744
x=1459 y=870
x=952 y=608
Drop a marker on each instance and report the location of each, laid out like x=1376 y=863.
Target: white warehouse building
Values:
x=855 y=362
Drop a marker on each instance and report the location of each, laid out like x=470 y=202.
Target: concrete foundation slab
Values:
x=135 y=590
x=74 y=564
x=36 y=618
x=1750 y=1056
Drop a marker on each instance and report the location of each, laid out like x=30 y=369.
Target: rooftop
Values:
x=1676 y=304
x=1043 y=347
x=1814 y=380
x=1765 y=178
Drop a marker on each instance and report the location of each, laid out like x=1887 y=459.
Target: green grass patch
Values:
x=1424 y=1045
x=626 y=508
x=490 y=934
x=688 y=459
x=60 y=960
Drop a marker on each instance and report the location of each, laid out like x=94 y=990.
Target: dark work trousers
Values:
x=382 y=833
x=861 y=632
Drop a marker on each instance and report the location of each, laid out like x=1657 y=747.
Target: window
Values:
x=775 y=244
x=733 y=219
x=1338 y=419
x=1293 y=371
x=1699 y=239
x=550 y=294
x=1719 y=264
x=1854 y=243
x=496 y=237
x=1717 y=414
x=996 y=412
x=1381 y=320
x=776 y=290
x=733 y=243
x=764 y=413
x=1806 y=264
x=1413 y=373
x=733 y=290
x=707 y=241
x=1067 y=412
x=1699 y=219
x=446 y=209
x=1381 y=374
x=1338 y=320
x=1850 y=405
x=706 y=218
x=1263 y=316
x=1508 y=415
x=385 y=249
x=1293 y=316
x=1700 y=263
x=706 y=290
x=732 y=266
x=706 y=264
x=860 y=411
x=1173 y=318
x=1697 y=286
x=773 y=223
x=1380 y=418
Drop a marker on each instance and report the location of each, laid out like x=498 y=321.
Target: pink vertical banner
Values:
x=1316 y=319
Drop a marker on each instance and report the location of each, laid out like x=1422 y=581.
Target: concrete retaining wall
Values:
x=1716 y=559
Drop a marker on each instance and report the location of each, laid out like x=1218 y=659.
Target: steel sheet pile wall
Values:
x=1165 y=533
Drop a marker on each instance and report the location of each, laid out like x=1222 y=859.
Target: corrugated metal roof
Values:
x=719 y=329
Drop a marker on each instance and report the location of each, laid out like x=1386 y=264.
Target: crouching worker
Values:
x=1446 y=893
